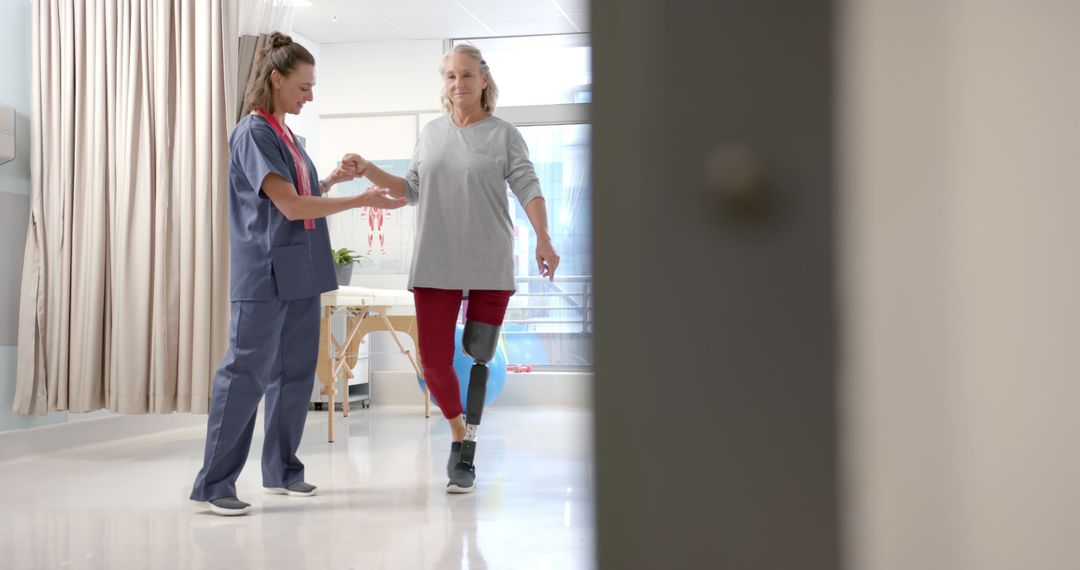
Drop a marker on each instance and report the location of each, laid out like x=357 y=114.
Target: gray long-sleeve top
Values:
x=458 y=178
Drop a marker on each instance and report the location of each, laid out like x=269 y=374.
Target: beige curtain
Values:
x=249 y=49
x=125 y=281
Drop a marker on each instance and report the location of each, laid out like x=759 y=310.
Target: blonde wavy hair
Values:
x=489 y=95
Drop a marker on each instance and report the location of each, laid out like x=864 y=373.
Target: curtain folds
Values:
x=124 y=301
x=249 y=48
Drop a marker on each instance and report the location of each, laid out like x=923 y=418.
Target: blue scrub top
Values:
x=272 y=258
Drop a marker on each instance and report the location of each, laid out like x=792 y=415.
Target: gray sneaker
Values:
x=463 y=479
x=297 y=489
x=455 y=458
x=228 y=506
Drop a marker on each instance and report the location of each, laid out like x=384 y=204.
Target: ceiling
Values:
x=342 y=21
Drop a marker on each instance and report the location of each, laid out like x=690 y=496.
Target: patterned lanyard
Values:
x=303 y=185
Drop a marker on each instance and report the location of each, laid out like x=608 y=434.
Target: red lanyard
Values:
x=303 y=184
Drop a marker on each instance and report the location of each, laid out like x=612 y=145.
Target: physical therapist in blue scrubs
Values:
x=281 y=263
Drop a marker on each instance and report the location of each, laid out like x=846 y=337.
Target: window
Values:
x=550 y=323
x=539 y=70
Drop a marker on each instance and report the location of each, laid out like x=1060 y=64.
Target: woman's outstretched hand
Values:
x=380 y=198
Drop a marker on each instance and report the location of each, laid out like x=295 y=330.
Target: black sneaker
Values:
x=455 y=458
x=228 y=506
x=462 y=479
x=297 y=489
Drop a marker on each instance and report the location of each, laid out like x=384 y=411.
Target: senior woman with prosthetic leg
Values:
x=458 y=177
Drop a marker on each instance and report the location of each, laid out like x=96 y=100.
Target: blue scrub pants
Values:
x=273 y=350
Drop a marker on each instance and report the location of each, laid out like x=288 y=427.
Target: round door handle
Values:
x=736 y=183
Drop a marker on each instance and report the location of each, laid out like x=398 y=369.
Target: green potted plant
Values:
x=344 y=259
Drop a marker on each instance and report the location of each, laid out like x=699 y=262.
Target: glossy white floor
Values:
x=381 y=501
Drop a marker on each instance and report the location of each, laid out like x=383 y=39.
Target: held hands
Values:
x=380 y=198
x=355 y=164
x=546 y=258
x=343 y=173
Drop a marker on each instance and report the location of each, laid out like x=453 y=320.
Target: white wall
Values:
x=375 y=77
x=961 y=284
x=380 y=77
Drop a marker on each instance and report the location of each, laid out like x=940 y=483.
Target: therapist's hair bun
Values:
x=279 y=40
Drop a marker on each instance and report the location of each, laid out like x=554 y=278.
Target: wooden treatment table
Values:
x=366 y=310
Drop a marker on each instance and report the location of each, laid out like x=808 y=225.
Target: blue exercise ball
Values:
x=463 y=366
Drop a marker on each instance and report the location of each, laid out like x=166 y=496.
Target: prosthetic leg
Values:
x=479 y=341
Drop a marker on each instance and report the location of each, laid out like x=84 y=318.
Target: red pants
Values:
x=436 y=319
